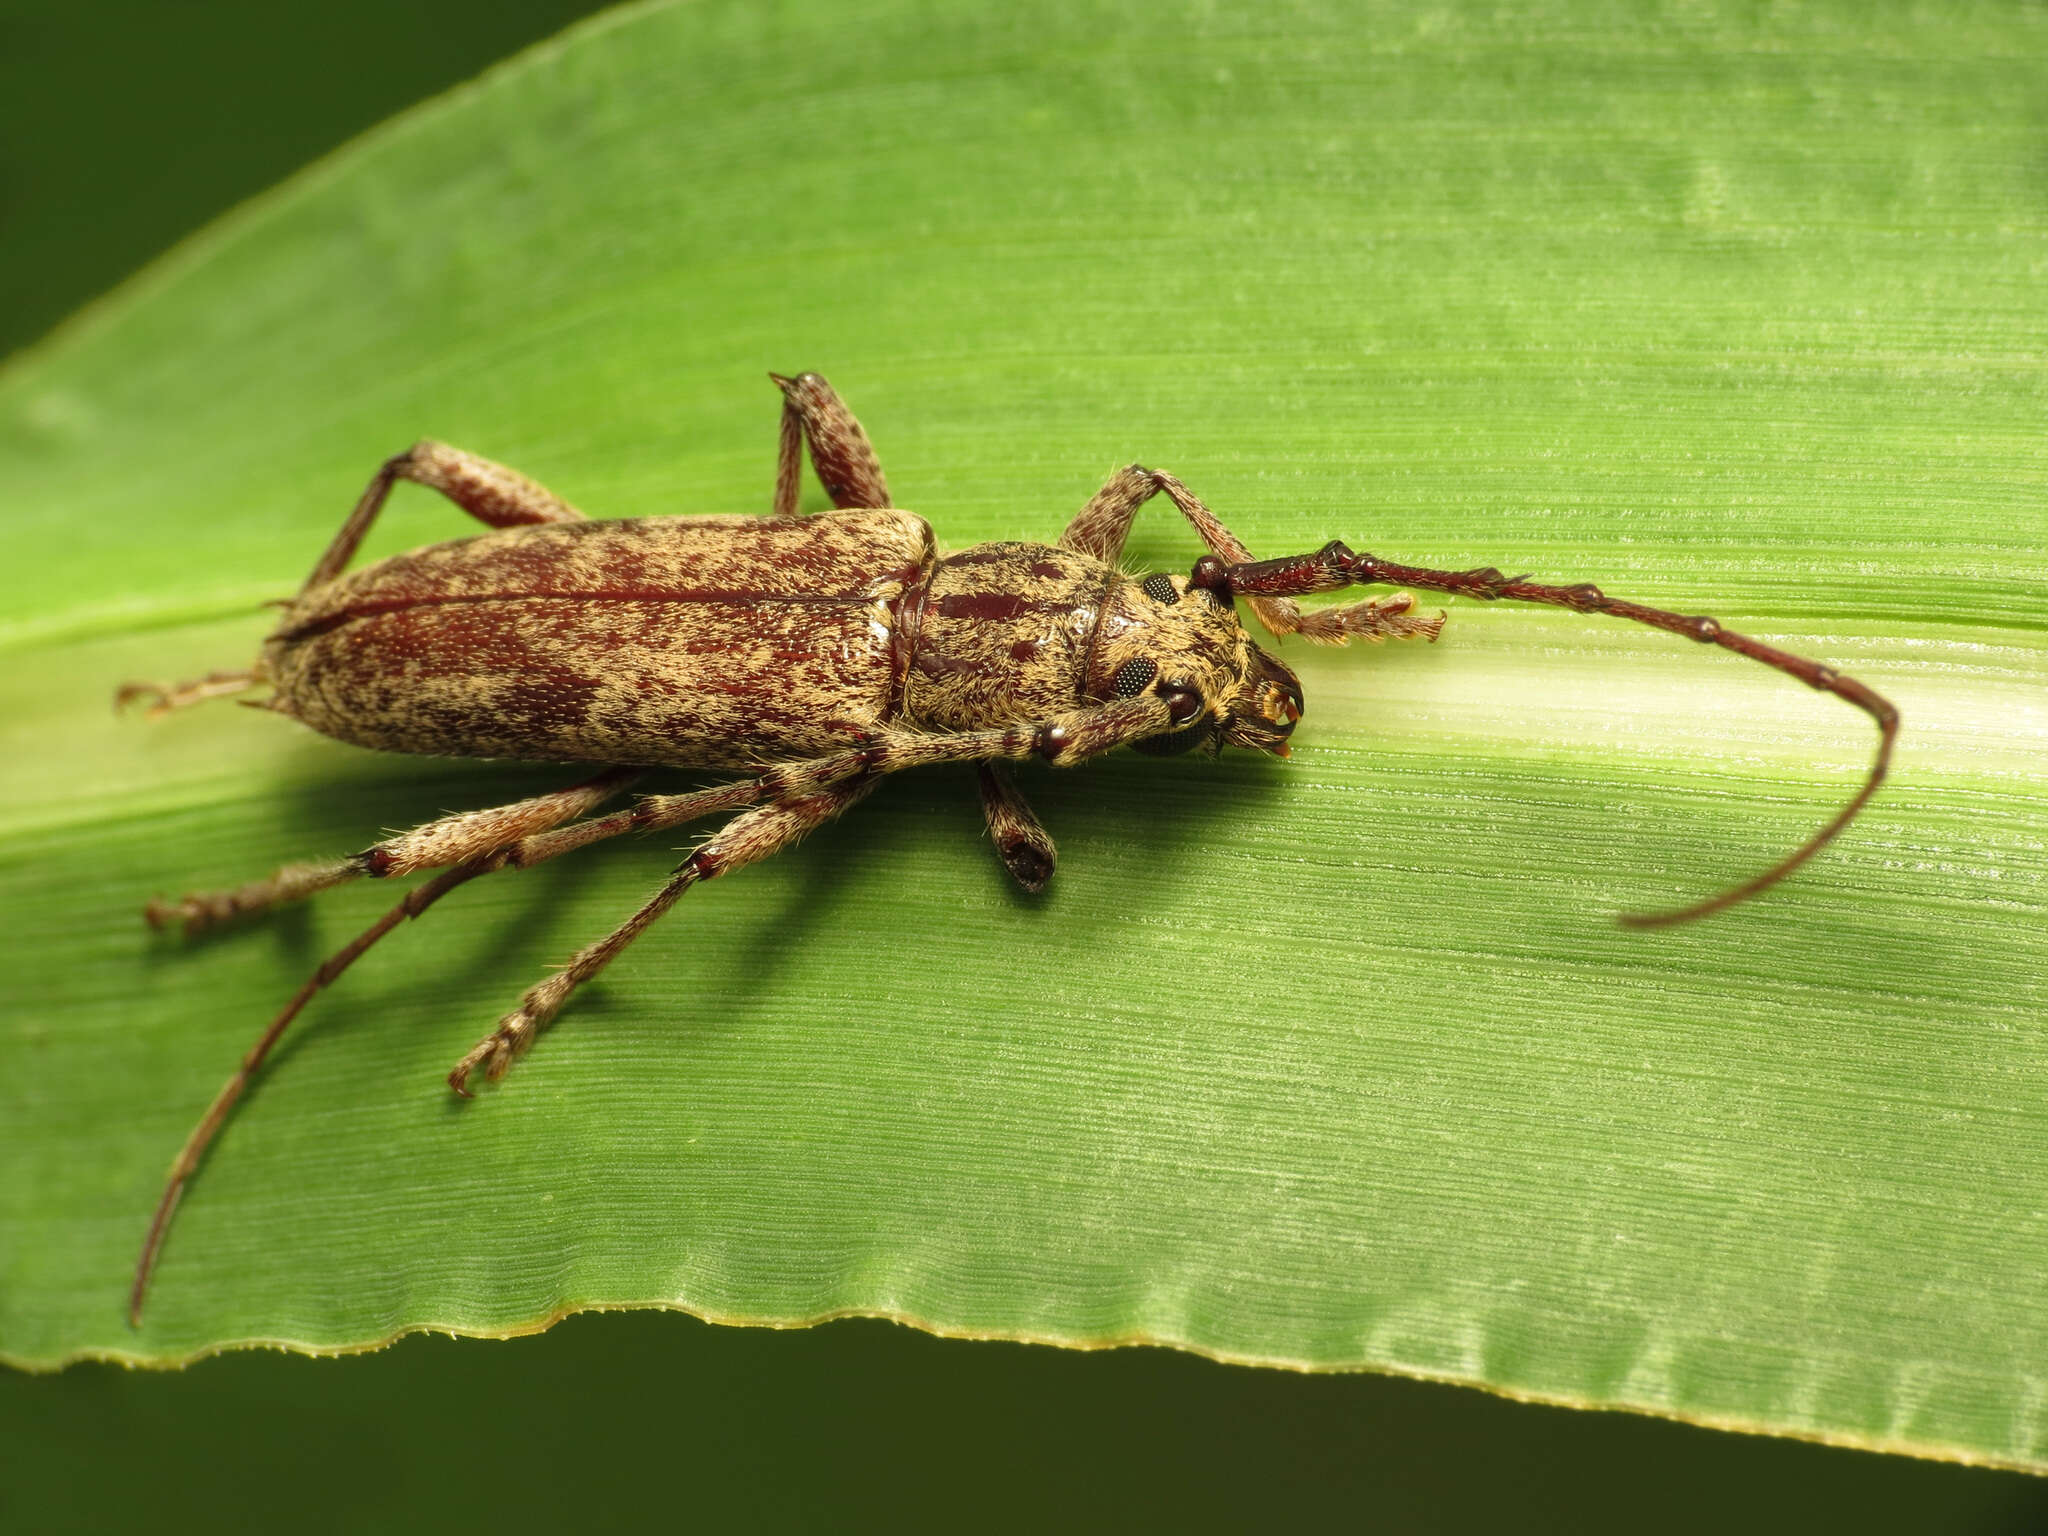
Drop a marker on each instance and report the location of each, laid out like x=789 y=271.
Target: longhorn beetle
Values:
x=809 y=655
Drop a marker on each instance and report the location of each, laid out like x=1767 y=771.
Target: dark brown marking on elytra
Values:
x=460 y=649
x=369 y=609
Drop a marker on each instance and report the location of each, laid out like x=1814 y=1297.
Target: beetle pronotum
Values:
x=811 y=656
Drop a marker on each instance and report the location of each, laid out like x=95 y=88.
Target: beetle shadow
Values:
x=1109 y=802
x=1165 y=810
x=1117 y=800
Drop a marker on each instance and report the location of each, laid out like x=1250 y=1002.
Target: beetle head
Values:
x=1180 y=638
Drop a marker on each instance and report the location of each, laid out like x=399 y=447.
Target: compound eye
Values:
x=1182 y=702
x=1160 y=588
x=1133 y=677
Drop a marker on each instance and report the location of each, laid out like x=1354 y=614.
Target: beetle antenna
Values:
x=1334 y=566
x=416 y=901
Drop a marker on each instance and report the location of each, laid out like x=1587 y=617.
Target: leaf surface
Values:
x=1338 y=1063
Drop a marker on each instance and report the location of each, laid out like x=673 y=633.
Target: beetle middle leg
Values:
x=1020 y=838
x=747 y=839
x=847 y=467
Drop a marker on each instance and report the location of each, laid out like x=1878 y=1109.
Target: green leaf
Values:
x=1338 y=1063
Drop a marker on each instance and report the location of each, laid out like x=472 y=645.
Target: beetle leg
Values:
x=1385 y=618
x=798 y=796
x=1102 y=526
x=492 y=494
x=165 y=697
x=466 y=834
x=840 y=450
x=746 y=839
x=1375 y=619
x=197 y=911
x=1065 y=740
x=449 y=840
x=488 y=492
x=1021 y=840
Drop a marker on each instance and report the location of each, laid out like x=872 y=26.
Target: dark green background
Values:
x=122 y=128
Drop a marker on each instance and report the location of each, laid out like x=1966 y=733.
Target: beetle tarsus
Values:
x=162 y=698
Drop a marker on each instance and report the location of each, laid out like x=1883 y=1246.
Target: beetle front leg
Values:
x=840 y=451
x=1375 y=619
x=1101 y=527
x=746 y=839
x=1020 y=838
x=1105 y=523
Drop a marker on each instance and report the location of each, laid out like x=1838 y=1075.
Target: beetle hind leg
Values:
x=161 y=698
x=451 y=839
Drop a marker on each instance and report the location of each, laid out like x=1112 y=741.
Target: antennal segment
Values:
x=1335 y=566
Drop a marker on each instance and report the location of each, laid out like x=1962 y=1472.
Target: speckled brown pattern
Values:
x=1002 y=632
x=715 y=642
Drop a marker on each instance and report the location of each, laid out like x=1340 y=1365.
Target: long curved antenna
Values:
x=1334 y=566
x=416 y=901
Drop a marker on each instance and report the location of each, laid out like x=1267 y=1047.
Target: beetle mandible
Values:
x=812 y=656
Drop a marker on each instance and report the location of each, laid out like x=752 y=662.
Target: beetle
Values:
x=810 y=655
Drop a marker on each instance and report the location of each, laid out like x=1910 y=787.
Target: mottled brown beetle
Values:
x=812 y=655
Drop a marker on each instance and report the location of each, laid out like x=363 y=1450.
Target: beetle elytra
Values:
x=811 y=656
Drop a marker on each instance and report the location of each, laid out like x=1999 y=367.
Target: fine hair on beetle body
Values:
x=808 y=657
